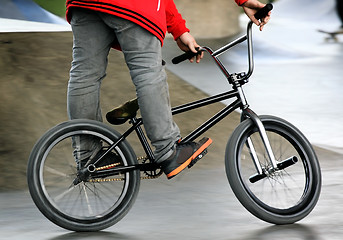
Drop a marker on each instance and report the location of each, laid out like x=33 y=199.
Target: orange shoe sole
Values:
x=190 y=159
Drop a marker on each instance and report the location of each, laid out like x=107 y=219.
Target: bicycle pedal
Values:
x=195 y=160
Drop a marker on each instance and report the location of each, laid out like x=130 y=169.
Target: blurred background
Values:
x=298 y=76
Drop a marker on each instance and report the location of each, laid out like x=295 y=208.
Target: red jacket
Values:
x=240 y=2
x=156 y=16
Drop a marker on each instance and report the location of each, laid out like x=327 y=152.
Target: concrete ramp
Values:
x=27 y=10
x=27 y=16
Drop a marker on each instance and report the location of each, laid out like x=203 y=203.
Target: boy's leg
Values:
x=142 y=51
x=143 y=56
x=92 y=41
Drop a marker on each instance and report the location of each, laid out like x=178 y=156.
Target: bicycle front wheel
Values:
x=92 y=204
x=281 y=196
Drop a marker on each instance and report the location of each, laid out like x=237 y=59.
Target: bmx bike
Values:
x=271 y=166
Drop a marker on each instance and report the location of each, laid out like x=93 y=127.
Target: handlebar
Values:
x=263 y=12
x=185 y=56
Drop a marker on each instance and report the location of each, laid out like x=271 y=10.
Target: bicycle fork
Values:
x=253 y=116
x=248 y=113
x=262 y=172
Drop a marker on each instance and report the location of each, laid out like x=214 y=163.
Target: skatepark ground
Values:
x=199 y=203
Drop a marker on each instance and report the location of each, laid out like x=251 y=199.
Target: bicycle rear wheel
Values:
x=283 y=196
x=89 y=205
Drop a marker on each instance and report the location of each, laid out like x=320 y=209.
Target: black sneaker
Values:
x=186 y=154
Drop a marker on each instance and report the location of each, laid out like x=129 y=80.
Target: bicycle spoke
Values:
x=90 y=211
x=63 y=194
x=55 y=171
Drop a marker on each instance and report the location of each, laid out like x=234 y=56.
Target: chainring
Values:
x=151 y=174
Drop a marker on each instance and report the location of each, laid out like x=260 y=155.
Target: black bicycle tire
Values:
x=233 y=175
x=42 y=202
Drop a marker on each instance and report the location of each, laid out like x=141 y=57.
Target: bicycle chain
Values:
x=107 y=166
x=97 y=180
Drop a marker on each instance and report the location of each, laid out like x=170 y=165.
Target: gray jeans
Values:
x=94 y=34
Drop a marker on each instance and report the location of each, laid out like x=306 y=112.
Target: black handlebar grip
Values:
x=183 y=57
x=263 y=12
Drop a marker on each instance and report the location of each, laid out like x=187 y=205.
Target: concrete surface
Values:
x=210 y=18
x=198 y=204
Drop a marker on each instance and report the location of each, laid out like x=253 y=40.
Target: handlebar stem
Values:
x=217 y=53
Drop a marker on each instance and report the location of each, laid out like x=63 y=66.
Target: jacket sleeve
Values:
x=176 y=25
x=240 y=2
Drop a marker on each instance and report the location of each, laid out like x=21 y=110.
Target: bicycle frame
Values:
x=237 y=80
